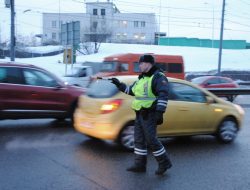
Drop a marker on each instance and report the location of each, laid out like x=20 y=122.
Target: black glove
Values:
x=159 y=117
x=116 y=82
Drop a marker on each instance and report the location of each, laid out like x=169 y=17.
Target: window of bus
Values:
x=109 y=66
x=162 y=66
x=175 y=68
x=123 y=67
x=136 y=67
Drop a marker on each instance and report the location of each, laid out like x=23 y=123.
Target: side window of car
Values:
x=184 y=92
x=11 y=75
x=3 y=75
x=224 y=81
x=82 y=72
x=39 y=78
x=213 y=81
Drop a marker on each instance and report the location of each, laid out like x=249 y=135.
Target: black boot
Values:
x=164 y=164
x=139 y=165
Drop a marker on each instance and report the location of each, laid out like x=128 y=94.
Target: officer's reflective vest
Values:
x=144 y=96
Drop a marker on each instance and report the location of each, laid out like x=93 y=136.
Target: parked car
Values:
x=27 y=91
x=216 y=82
x=105 y=113
x=236 y=75
x=80 y=74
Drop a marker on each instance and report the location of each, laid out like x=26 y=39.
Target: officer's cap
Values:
x=147 y=58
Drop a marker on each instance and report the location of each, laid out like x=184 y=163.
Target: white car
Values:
x=79 y=76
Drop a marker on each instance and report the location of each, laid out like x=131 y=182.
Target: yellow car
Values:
x=105 y=113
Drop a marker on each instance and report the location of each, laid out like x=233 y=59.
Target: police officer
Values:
x=151 y=98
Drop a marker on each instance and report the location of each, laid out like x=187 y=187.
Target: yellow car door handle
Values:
x=183 y=109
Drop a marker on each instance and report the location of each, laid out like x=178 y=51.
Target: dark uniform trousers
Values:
x=145 y=137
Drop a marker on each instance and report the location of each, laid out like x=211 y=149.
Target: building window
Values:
x=95 y=12
x=139 y=36
x=124 y=36
x=117 y=23
x=136 y=24
x=94 y=26
x=143 y=24
x=142 y=36
x=102 y=12
x=61 y=22
x=121 y=36
x=136 y=36
x=53 y=23
x=122 y=23
x=118 y=35
x=53 y=36
x=125 y=23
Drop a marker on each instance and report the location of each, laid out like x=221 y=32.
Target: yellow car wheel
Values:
x=126 y=137
x=227 y=130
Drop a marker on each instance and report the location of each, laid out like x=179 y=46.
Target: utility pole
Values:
x=221 y=37
x=11 y=4
x=59 y=23
x=160 y=17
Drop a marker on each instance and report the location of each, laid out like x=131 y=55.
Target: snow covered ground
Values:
x=196 y=59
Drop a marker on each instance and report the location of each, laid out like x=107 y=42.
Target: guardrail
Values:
x=244 y=83
x=229 y=91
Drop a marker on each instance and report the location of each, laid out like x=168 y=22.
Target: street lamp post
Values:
x=12 y=30
x=221 y=37
x=11 y=4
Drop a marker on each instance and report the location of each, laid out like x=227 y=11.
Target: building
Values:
x=103 y=22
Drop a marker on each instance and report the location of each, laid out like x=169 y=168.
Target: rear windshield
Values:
x=102 y=89
x=198 y=80
x=109 y=66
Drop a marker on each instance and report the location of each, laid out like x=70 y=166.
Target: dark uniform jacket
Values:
x=159 y=88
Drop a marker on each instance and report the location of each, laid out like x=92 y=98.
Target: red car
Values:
x=216 y=82
x=27 y=91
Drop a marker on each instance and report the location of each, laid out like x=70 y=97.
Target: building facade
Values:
x=103 y=22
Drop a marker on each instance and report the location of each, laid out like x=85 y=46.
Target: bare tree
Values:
x=26 y=40
x=94 y=36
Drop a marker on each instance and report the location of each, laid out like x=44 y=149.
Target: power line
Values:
x=135 y=4
x=247 y=3
x=174 y=20
x=199 y=24
x=238 y=16
x=237 y=23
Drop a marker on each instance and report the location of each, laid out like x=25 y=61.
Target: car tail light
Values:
x=111 y=106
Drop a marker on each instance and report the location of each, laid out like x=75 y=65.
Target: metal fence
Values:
x=23 y=54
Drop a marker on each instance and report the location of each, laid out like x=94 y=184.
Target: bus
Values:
x=127 y=64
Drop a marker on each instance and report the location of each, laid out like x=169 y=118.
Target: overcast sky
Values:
x=178 y=18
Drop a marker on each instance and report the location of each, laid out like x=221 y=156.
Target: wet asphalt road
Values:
x=44 y=154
